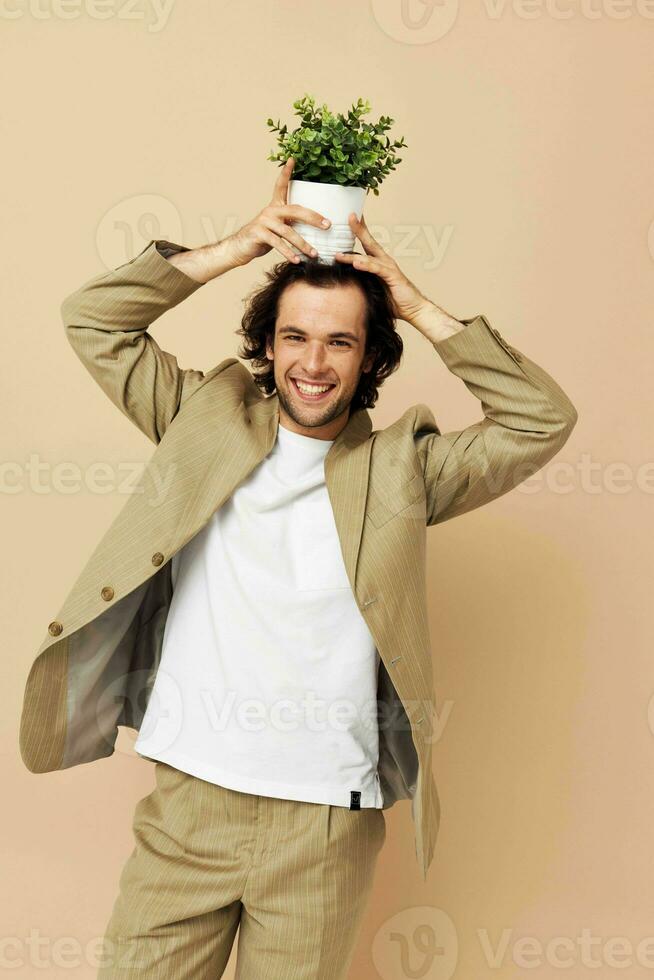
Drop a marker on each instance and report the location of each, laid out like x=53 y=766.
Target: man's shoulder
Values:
x=415 y=420
x=229 y=374
x=228 y=364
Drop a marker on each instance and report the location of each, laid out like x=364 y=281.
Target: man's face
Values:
x=320 y=339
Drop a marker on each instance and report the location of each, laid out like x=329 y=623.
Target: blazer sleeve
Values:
x=106 y=321
x=527 y=419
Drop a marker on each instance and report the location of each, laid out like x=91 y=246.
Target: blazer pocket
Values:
x=407 y=500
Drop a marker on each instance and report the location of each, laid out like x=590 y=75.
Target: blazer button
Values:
x=157 y=558
x=55 y=628
x=107 y=593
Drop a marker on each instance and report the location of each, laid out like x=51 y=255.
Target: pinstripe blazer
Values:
x=96 y=666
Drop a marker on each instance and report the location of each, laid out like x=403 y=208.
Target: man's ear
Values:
x=368 y=362
x=269 y=348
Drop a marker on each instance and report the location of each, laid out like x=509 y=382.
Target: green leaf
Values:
x=337 y=148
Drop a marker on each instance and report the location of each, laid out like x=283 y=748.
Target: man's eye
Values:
x=295 y=336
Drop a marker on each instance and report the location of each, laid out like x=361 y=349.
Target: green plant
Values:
x=337 y=149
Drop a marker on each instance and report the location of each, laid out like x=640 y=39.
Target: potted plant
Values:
x=338 y=159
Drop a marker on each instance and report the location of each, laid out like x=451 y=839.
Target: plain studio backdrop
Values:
x=524 y=194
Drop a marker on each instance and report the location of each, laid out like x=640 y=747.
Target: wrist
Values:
x=208 y=261
x=434 y=323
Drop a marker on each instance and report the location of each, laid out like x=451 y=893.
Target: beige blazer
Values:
x=96 y=666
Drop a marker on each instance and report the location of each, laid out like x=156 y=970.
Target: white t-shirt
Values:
x=268 y=675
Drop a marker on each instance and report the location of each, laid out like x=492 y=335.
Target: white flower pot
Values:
x=333 y=201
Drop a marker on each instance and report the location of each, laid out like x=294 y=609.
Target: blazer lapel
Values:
x=347 y=469
x=210 y=449
x=237 y=447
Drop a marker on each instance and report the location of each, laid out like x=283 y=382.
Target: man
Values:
x=276 y=665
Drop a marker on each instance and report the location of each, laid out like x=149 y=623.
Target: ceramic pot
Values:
x=335 y=202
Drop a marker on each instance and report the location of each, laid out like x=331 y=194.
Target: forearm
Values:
x=479 y=347
x=434 y=323
x=206 y=262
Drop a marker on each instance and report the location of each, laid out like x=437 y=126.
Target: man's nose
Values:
x=314 y=359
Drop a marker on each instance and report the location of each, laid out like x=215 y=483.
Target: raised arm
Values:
x=527 y=419
x=106 y=321
x=527 y=415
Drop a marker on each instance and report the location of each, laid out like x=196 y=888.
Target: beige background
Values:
x=524 y=194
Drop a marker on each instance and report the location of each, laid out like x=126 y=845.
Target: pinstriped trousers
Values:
x=294 y=878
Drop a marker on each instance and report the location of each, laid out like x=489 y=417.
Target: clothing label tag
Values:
x=355 y=800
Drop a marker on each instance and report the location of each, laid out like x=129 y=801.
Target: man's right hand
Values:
x=270 y=228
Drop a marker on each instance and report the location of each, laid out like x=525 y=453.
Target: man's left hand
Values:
x=408 y=301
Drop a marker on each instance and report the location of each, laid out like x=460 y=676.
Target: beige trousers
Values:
x=295 y=876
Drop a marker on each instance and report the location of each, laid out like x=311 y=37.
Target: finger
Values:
x=280 y=245
x=382 y=267
x=350 y=257
x=281 y=184
x=286 y=231
x=371 y=246
x=365 y=262
x=299 y=213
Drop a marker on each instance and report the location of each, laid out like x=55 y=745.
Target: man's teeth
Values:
x=311 y=389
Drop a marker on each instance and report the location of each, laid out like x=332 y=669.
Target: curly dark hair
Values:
x=262 y=305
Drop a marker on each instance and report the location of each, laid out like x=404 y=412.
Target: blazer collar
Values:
x=347 y=465
x=247 y=437
x=263 y=412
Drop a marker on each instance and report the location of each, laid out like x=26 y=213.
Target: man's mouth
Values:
x=310 y=392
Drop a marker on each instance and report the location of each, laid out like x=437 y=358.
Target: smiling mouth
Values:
x=306 y=397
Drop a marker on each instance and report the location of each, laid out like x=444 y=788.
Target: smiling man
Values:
x=317 y=367
x=264 y=627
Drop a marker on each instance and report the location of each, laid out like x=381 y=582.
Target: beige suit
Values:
x=95 y=668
